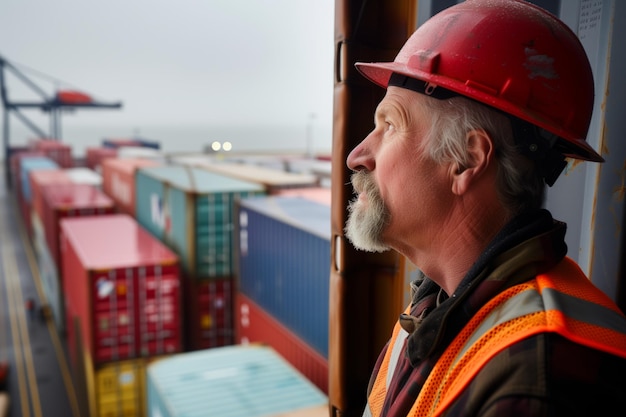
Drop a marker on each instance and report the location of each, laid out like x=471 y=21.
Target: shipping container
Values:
x=14 y=155
x=191 y=211
x=58 y=151
x=27 y=165
x=114 y=389
x=233 y=381
x=134 y=152
x=41 y=178
x=284 y=258
x=209 y=320
x=321 y=195
x=255 y=325
x=124 y=287
x=84 y=175
x=31 y=164
x=118 y=181
x=271 y=179
x=61 y=201
x=94 y=155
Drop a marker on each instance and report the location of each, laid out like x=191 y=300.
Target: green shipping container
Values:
x=191 y=211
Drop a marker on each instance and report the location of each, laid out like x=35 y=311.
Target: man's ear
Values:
x=480 y=151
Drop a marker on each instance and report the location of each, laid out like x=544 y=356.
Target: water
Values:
x=189 y=138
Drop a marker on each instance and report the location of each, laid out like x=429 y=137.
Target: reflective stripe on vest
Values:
x=561 y=301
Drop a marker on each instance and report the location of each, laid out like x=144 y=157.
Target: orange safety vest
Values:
x=562 y=300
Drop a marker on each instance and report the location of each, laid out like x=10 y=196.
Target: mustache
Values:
x=362 y=182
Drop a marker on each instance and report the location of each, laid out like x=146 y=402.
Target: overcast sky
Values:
x=178 y=61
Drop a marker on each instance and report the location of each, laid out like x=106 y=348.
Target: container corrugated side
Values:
x=118 y=181
x=191 y=211
x=284 y=261
x=124 y=287
x=60 y=201
x=233 y=381
x=209 y=320
x=255 y=325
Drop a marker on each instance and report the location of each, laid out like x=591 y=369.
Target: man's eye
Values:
x=388 y=126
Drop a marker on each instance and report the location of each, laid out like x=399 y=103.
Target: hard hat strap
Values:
x=423 y=87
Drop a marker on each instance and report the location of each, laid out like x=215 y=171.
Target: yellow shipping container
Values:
x=120 y=389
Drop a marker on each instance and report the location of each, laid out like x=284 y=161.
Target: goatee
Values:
x=366 y=219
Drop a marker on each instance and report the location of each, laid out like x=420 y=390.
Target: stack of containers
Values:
x=94 y=155
x=60 y=201
x=28 y=165
x=283 y=277
x=122 y=294
x=191 y=211
x=118 y=181
x=233 y=381
x=272 y=179
x=58 y=151
x=41 y=178
x=15 y=158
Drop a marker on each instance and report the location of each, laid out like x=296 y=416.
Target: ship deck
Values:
x=39 y=380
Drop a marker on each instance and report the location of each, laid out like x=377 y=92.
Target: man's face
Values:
x=401 y=191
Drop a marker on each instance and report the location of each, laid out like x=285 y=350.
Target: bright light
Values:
x=216 y=146
x=227 y=146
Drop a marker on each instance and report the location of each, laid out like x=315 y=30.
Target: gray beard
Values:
x=366 y=222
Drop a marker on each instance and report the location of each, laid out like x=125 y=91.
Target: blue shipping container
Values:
x=284 y=263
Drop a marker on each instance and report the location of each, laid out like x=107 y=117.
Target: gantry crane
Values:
x=53 y=105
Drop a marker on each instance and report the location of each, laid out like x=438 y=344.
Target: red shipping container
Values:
x=209 y=312
x=254 y=325
x=59 y=152
x=70 y=200
x=121 y=288
x=118 y=181
x=95 y=155
x=39 y=179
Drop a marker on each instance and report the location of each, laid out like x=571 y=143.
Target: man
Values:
x=484 y=103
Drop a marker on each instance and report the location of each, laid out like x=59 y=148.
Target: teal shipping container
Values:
x=191 y=211
x=231 y=381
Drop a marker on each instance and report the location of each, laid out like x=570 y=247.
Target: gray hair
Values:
x=520 y=186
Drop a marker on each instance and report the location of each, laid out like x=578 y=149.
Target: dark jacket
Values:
x=543 y=375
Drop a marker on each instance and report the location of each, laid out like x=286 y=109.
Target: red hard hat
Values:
x=510 y=55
